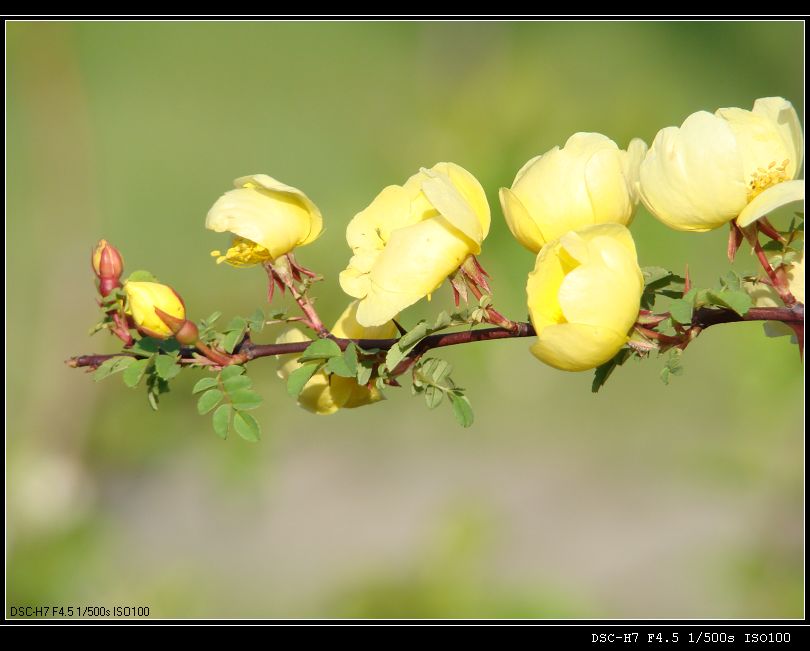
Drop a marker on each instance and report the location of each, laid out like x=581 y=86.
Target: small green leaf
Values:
x=437 y=369
x=231 y=371
x=237 y=323
x=433 y=396
x=412 y=337
x=209 y=400
x=320 y=349
x=214 y=317
x=350 y=356
x=232 y=339
x=603 y=372
x=338 y=366
x=222 y=420
x=112 y=366
x=203 y=384
x=681 y=311
x=364 y=370
x=141 y=276
x=394 y=356
x=654 y=274
x=146 y=346
x=461 y=409
x=442 y=321
x=739 y=301
x=134 y=372
x=246 y=426
x=299 y=377
x=245 y=399
x=236 y=383
x=166 y=366
x=256 y=320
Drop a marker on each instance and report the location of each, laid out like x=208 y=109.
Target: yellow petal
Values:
x=577 y=347
x=443 y=195
x=523 y=227
x=776 y=196
x=347 y=326
x=784 y=116
x=292 y=194
x=692 y=178
x=144 y=297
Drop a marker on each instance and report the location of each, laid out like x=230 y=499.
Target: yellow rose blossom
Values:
x=143 y=298
x=589 y=181
x=584 y=296
x=412 y=237
x=733 y=164
x=267 y=218
x=325 y=394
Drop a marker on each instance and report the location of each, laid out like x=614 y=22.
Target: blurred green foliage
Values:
x=641 y=501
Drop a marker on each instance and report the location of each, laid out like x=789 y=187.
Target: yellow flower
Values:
x=143 y=298
x=411 y=238
x=589 y=181
x=735 y=164
x=267 y=218
x=325 y=394
x=584 y=296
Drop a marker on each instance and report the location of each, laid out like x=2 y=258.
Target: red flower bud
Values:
x=107 y=261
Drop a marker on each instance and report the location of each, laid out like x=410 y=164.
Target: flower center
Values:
x=243 y=253
x=764 y=178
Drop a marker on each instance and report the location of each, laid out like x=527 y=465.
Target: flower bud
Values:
x=584 y=296
x=108 y=265
x=184 y=331
x=143 y=301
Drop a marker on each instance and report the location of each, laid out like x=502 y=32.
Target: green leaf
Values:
x=236 y=383
x=209 y=400
x=134 y=372
x=433 y=396
x=222 y=420
x=256 y=320
x=364 y=370
x=436 y=369
x=412 y=337
x=203 y=384
x=245 y=399
x=141 y=276
x=166 y=366
x=232 y=339
x=338 y=366
x=739 y=301
x=246 y=426
x=350 y=356
x=320 y=349
x=654 y=274
x=146 y=346
x=231 y=371
x=299 y=377
x=461 y=409
x=112 y=366
x=214 y=317
x=681 y=311
x=442 y=321
x=237 y=323
x=603 y=372
x=394 y=356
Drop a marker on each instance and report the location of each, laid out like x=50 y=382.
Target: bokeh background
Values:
x=641 y=501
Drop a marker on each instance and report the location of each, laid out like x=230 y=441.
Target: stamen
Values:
x=763 y=178
x=243 y=253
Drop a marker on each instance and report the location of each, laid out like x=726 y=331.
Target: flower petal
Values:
x=769 y=200
x=782 y=113
x=523 y=227
x=577 y=347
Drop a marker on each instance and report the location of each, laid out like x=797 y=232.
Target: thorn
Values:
x=735 y=238
x=687 y=282
x=402 y=330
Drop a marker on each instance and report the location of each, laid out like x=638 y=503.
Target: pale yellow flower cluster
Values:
x=571 y=206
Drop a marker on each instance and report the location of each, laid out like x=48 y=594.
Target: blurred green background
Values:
x=641 y=501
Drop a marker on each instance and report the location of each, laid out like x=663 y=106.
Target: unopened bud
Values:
x=183 y=330
x=107 y=261
x=144 y=301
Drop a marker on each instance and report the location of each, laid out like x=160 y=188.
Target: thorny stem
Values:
x=248 y=351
